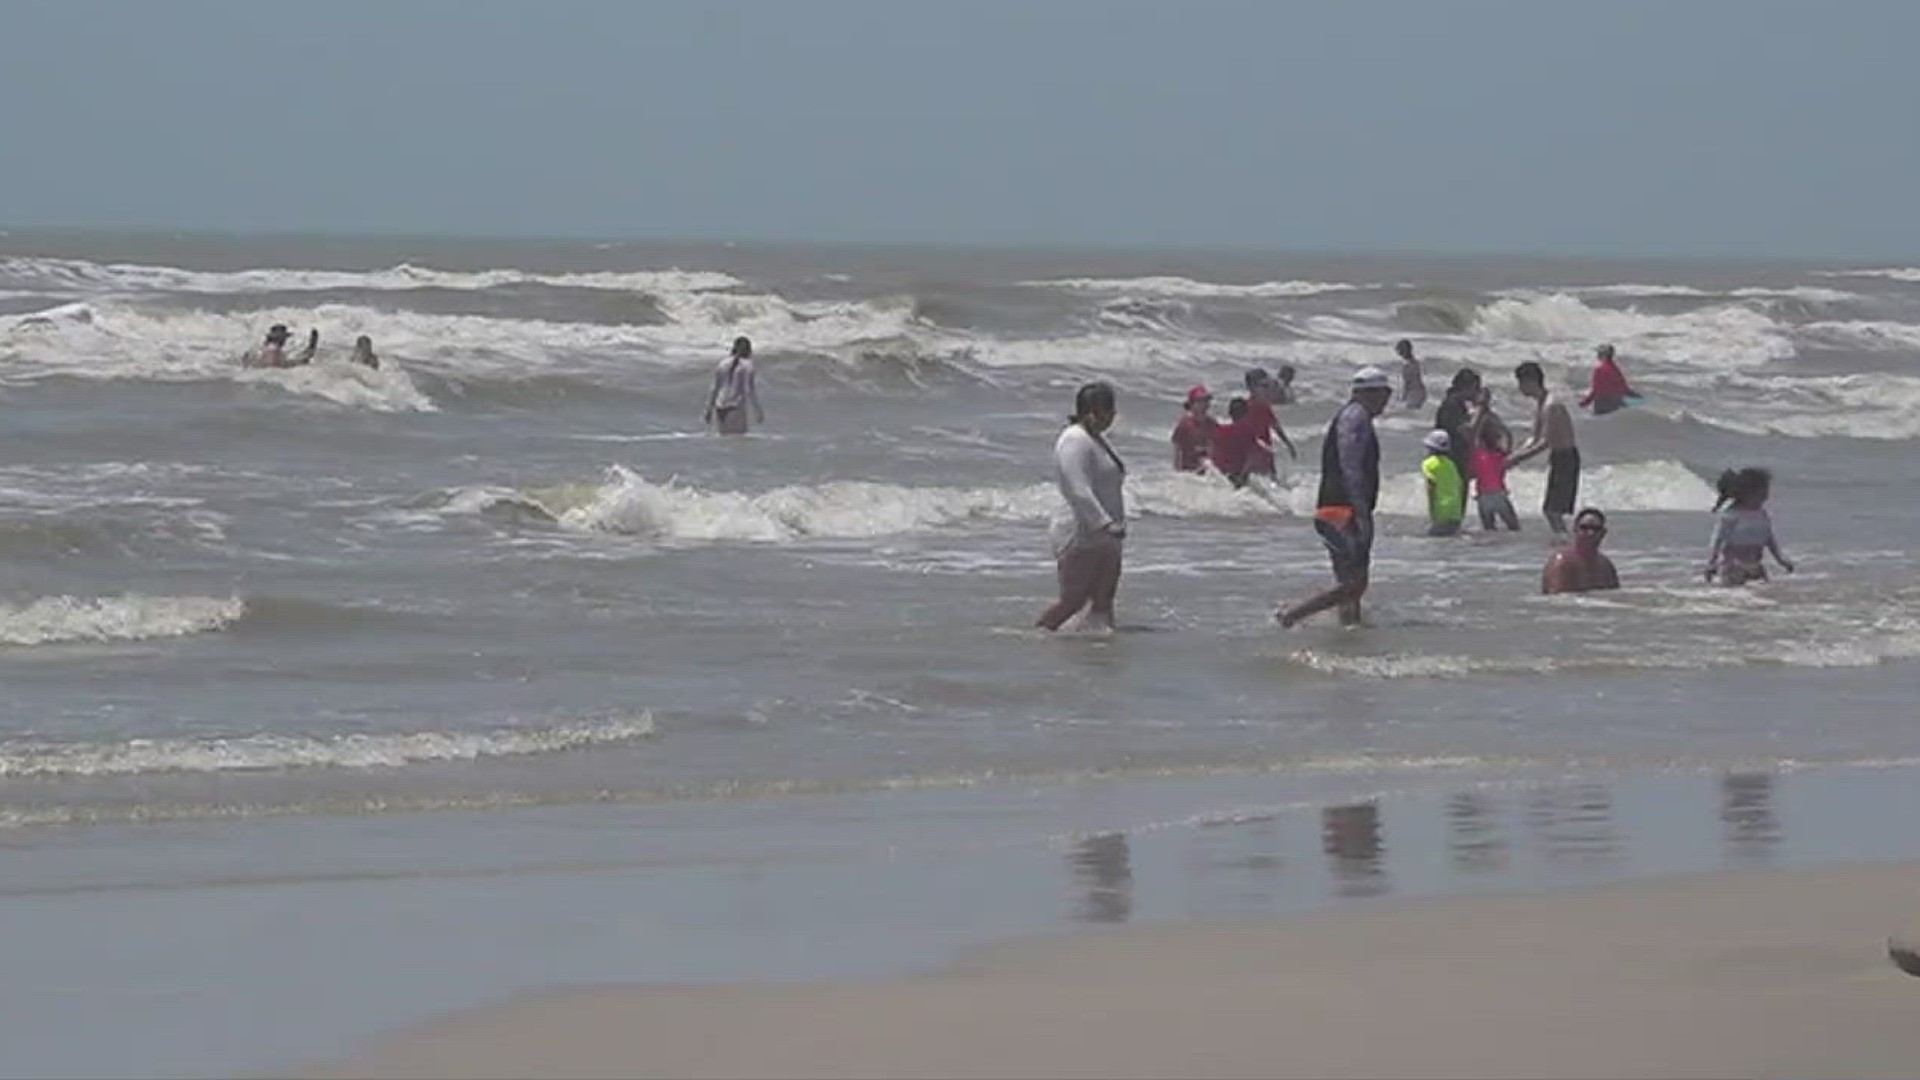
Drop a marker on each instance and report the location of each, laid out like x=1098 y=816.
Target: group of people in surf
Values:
x=272 y=353
x=1469 y=442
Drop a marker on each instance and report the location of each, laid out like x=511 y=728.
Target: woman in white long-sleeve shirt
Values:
x=1090 y=529
x=734 y=391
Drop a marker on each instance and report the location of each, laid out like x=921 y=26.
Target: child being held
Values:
x=1744 y=533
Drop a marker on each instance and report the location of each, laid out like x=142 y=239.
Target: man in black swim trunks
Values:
x=1553 y=436
x=1349 y=489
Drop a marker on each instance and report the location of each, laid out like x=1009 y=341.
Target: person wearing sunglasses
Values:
x=1580 y=567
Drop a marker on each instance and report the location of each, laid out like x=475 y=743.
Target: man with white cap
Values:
x=1446 y=507
x=1349 y=490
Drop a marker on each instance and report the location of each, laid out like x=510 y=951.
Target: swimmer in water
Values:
x=1413 y=381
x=1580 y=567
x=273 y=352
x=734 y=390
x=1446 y=508
x=1193 y=436
x=1233 y=444
x=1743 y=535
x=363 y=353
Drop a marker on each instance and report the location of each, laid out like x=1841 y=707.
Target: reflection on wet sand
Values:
x=1351 y=838
x=1102 y=867
x=1749 y=829
x=1574 y=824
x=1473 y=835
x=1242 y=866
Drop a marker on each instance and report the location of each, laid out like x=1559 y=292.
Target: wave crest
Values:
x=254 y=753
x=57 y=619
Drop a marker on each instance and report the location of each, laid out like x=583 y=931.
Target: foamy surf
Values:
x=255 y=753
x=59 y=619
x=82 y=276
x=1188 y=287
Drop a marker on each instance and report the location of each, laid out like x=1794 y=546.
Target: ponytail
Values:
x=1728 y=483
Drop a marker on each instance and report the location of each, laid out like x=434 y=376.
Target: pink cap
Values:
x=1198 y=393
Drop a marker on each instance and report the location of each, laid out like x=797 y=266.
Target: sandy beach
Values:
x=1751 y=974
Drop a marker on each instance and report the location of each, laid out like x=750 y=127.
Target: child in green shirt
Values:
x=1446 y=508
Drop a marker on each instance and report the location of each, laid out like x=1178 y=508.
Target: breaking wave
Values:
x=60 y=619
x=1189 y=288
x=254 y=753
x=81 y=276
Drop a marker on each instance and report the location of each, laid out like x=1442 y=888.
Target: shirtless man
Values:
x=1553 y=436
x=273 y=352
x=1579 y=567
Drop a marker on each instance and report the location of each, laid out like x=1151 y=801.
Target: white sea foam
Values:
x=1720 y=336
x=57 y=619
x=1187 y=287
x=1809 y=293
x=80 y=276
x=1867 y=334
x=110 y=340
x=627 y=503
x=1891 y=273
x=262 y=752
x=1819 y=406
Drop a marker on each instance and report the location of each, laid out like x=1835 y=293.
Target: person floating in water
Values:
x=1552 y=435
x=1091 y=527
x=1445 y=507
x=273 y=352
x=1349 y=490
x=363 y=353
x=1743 y=535
x=1609 y=391
x=1580 y=567
x=1193 y=436
x=734 y=392
x=1413 y=381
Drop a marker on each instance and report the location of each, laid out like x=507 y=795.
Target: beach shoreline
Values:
x=1752 y=973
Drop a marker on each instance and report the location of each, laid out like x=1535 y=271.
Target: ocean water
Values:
x=510 y=569
x=497 y=626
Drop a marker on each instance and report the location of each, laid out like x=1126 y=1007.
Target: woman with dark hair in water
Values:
x=734 y=391
x=1743 y=535
x=1090 y=528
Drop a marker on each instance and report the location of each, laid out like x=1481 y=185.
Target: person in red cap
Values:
x=1193 y=435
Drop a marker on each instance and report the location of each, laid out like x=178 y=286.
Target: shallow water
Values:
x=508 y=568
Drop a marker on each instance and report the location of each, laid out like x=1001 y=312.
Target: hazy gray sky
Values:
x=1676 y=127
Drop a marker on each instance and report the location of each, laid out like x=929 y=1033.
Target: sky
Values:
x=1611 y=127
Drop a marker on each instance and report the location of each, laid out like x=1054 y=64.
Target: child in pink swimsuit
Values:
x=1489 y=465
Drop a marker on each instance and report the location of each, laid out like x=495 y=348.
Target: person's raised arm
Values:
x=313 y=345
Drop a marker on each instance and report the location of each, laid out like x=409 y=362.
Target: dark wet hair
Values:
x=1463 y=380
x=1286 y=372
x=1735 y=485
x=1490 y=436
x=1403 y=345
x=1593 y=512
x=1092 y=397
x=742 y=346
x=1530 y=372
x=1236 y=408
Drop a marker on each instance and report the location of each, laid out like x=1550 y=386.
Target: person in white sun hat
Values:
x=1349 y=489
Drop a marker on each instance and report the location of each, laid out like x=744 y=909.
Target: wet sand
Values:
x=1777 y=973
